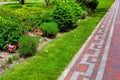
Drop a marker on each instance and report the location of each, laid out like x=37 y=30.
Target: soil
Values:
x=3 y=57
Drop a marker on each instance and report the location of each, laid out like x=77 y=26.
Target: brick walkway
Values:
x=99 y=57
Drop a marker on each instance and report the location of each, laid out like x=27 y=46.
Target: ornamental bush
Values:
x=28 y=13
x=28 y=45
x=49 y=28
x=26 y=17
x=77 y=10
x=13 y=23
x=66 y=14
x=46 y=17
x=9 y=33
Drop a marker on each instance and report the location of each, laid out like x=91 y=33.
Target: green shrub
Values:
x=26 y=17
x=77 y=10
x=46 y=17
x=92 y=4
x=28 y=13
x=9 y=33
x=13 y=23
x=28 y=45
x=63 y=15
x=66 y=14
x=49 y=28
x=15 y=58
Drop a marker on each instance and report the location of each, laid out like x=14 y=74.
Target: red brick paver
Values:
x=99 y=58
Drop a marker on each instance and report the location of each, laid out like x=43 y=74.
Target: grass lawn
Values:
x=17 y=5
x=49 y=63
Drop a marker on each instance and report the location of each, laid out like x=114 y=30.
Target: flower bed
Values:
x=25 y=30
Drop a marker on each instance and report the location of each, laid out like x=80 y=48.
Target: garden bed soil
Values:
x=3 y=57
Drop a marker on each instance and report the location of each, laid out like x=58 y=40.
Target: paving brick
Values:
x=99 y=59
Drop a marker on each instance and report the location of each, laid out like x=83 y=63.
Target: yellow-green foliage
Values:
x=13 y=23
x=28 y=12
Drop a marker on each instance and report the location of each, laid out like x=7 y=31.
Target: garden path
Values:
x=1 y=3
x=99 y=57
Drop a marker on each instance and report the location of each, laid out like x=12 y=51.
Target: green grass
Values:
x=55 y=56
x=17 y=5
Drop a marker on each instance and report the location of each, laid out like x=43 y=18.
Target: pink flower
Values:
x=14 y=47
x=11 y=47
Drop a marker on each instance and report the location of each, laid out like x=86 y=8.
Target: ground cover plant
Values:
x=55 y=56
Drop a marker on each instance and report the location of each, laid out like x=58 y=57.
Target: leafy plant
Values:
x=66 y=14
x=49 y=28
x=13 y=23
x=25 y=17
x=46 y=17
x=28 y=45
x=9 y=33
x=15 y=58
x=77 y=10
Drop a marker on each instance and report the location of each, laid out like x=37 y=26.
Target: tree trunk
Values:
x=79 y=1
x=47 y=2
x=84 y=1
x=21 y=2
